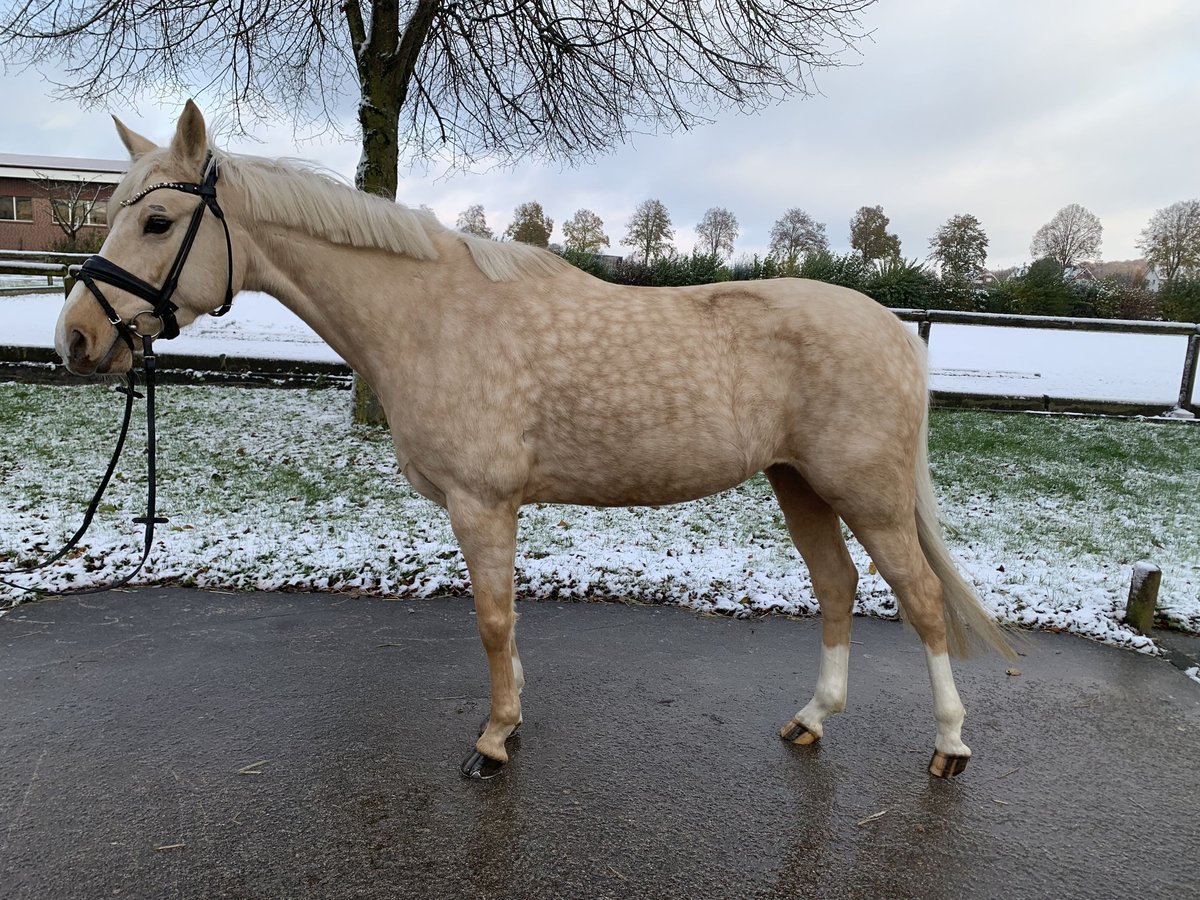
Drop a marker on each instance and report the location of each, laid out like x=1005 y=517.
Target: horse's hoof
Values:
x=481 y=766
x=795 y=733
x=945 y=765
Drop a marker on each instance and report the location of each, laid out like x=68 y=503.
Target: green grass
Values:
x=1087 y=486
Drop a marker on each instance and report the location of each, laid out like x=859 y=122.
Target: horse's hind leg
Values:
x=896 y=550
x=487 y=534
x=817 y=534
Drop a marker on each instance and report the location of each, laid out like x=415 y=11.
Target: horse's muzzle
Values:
x=116 y=358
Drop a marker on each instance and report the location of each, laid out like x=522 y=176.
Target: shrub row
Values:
x=899 y=283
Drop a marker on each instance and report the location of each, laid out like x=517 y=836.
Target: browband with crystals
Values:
x=185 y=186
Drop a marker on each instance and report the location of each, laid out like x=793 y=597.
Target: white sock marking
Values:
x=830 y=695
x=947 y=707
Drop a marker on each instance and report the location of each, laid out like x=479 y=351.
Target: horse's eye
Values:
x=156 y=225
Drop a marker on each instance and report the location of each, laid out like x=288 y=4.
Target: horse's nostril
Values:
x=78 y=348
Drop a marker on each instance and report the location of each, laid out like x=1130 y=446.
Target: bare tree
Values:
x=1171 y=241
x=650 y=231
x=794 y=233
x=584 y=232
x=717 y=232
x=869 y=234
x=74 y=205
x=456 y=80
x=1074 y=234
x=472 y=221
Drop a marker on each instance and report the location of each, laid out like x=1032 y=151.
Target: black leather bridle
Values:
x=95 y=270
x=98 y=269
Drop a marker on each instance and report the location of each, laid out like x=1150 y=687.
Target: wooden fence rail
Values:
x=39 y=263
x=927 y=318
x=66 y=265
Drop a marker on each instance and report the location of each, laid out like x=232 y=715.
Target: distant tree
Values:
x=1073 y=235
x=472 y=221
x=1171 y=242
x=74 y=205
x=584 y=232
x=794 y=233
x=649 y=231
x=717 y=231
x=960 y=248
x=869 y=234
x=530 y=225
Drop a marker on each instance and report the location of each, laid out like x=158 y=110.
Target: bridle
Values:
x=95 y=270
x=98 y=269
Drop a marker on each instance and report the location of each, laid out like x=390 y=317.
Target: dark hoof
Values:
x=481 y=767
x=795 y=733
x=943 y=765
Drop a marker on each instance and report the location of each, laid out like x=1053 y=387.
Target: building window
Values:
x=79 y=213
x=16 y=209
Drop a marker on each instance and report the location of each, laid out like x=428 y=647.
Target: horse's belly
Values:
x=638 y=474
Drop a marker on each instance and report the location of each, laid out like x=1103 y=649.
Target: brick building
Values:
x=35 y=191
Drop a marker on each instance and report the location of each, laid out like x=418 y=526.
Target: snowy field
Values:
x=1047 y=515
x=964 y=358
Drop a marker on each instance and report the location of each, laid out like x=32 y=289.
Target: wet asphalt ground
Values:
x=180 y=744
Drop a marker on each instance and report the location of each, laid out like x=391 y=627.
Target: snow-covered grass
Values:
x=276 y=490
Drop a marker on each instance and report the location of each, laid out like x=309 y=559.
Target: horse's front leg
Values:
x=487 y=534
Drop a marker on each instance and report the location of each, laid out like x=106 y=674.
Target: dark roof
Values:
x=68 y=163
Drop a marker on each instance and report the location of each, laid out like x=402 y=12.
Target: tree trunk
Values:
x=386 y=60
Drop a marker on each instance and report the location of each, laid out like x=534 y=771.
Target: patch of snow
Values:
x=1193 y=673
x=258 y=326
x=1141 y=571
x=981 y=359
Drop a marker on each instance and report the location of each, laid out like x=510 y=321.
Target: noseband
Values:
x=97 y=269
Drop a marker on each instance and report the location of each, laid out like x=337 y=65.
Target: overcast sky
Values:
x=1006 y=109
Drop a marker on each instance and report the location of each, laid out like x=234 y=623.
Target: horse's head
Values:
x=147 y=252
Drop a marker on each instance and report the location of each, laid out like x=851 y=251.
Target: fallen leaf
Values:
x=871 y=818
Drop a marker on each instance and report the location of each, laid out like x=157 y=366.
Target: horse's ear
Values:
x=134 y=142
x=190 y=143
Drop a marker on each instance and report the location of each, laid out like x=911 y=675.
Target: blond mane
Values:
x=301 y=195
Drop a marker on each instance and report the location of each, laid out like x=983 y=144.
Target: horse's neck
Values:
x=358 y=301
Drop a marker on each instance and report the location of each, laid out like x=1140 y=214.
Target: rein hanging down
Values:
x=98 y=269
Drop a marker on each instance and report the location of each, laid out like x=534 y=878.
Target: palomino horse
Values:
x=510 y=377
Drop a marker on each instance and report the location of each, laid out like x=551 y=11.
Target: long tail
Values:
x=968 y=623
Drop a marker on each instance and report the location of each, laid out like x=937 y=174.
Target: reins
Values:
x=98 y=269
